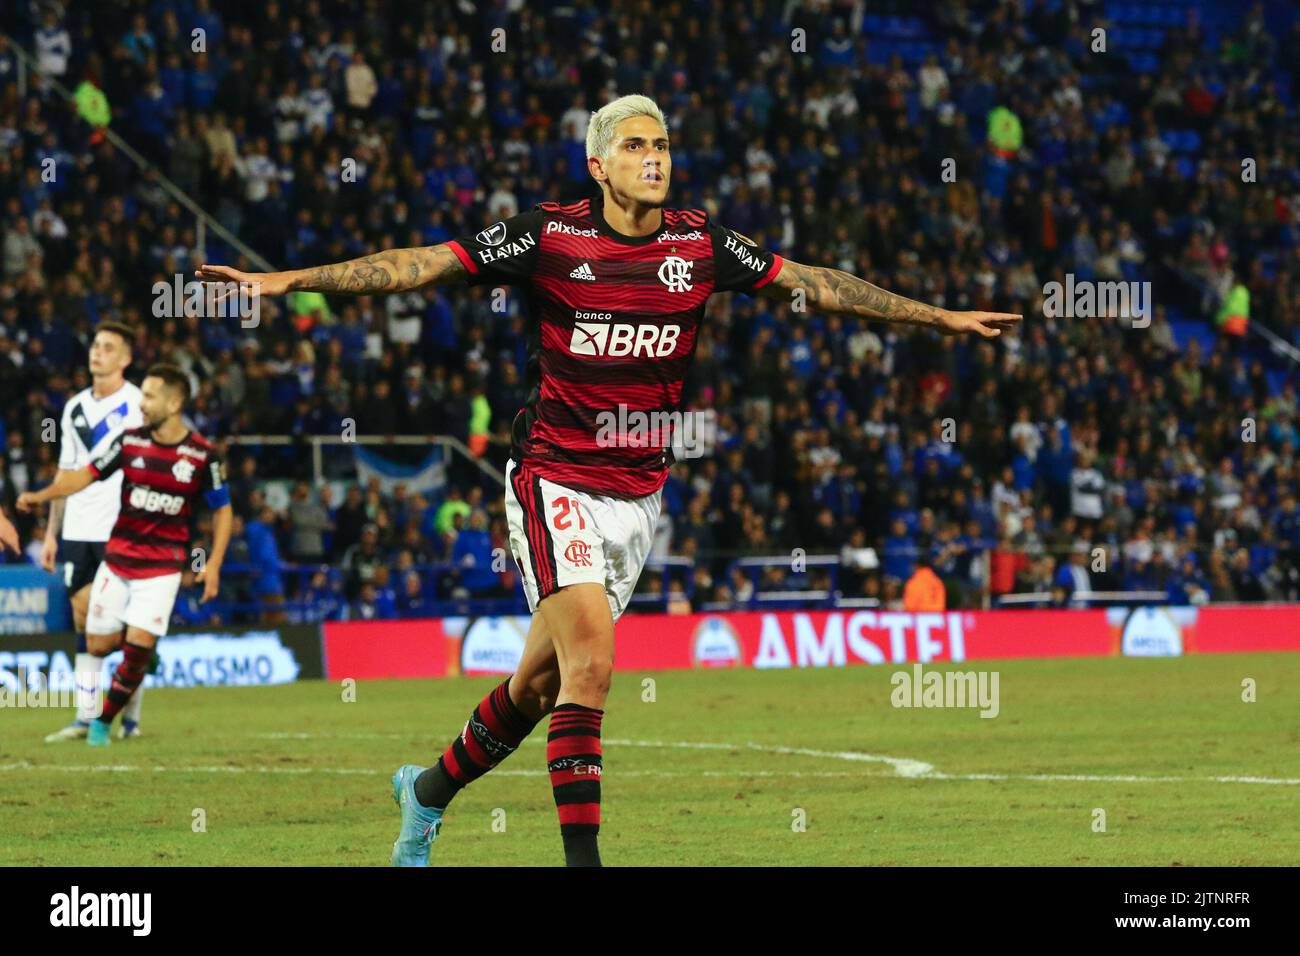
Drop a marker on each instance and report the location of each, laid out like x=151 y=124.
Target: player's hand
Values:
x=49 y=552
x=8 y=535
x=987 y=324
x=211 y=578
x=263 y=283
x=27 y=502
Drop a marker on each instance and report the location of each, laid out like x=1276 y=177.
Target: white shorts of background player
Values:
x=117 y=602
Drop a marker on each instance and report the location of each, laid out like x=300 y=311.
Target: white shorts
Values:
x=117 y=602
x=560 y=536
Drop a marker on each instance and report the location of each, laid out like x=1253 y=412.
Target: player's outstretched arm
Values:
x=833 y=290
x=65 y=483
x=393 y=270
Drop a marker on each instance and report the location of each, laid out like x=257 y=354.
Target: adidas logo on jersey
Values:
x=138 y=463
x=583 y=272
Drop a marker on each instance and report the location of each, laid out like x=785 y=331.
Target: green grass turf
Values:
x=276 y=796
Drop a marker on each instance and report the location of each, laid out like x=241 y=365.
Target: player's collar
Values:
x=175 y=444
x=598 y=217
x=111 y=394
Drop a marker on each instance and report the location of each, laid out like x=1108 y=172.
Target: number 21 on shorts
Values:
x=562 y=521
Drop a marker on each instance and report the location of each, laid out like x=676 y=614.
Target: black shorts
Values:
x=80 y=560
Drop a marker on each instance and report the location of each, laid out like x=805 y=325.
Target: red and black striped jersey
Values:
x=614 y=325
x=152 y=533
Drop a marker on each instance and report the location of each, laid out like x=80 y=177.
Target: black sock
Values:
x=434 y=788
x=580 y=849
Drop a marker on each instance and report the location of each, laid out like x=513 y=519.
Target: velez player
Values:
x=617 y=287
x=92 y=420
x=165 y=466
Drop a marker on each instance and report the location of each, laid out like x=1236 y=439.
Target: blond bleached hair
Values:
x=604 y=122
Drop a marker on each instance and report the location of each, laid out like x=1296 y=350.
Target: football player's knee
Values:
x=588 y=675
x=101 y=645
x=80 y=606
x=545 y=688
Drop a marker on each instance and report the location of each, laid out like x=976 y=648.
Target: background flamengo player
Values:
x=165 y=466
x=617 y=287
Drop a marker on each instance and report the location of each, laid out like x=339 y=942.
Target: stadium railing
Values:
x=319 y=443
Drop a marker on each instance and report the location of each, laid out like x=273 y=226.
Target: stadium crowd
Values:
x=965 y=154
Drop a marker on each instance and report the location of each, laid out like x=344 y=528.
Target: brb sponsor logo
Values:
x=146 y=499
x=622 y=339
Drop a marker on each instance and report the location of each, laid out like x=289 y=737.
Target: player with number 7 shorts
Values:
x=165 y=466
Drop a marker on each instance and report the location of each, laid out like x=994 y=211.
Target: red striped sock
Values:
x=574 y=761
x=126 y=679
x=493 y=731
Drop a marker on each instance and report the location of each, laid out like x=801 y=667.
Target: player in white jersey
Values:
x=92 y=420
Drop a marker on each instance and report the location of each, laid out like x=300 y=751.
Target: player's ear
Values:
x=596 y=166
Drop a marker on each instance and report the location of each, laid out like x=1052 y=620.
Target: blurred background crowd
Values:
x=964 y=154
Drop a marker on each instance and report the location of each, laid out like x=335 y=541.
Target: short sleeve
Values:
x=134 y=417
x=215 y=490
x=67 y=449
x=108 y=462
x=739 y=264
x=504 y=253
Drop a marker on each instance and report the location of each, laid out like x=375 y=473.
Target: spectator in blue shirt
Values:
x=900 y=552
x=411 y=601
x=472 y=554
x=264 y=554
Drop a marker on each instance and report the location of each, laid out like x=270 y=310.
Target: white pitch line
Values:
x=900 y=767
x=932 y=775
x=361 y=771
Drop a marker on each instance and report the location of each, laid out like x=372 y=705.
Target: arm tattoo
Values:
x=833 y=290
x=394 y=270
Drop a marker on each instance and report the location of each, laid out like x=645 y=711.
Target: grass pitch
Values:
x=720 y=769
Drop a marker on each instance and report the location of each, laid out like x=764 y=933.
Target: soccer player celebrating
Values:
x=164 y=466
x=92 y=421
x=618 y=286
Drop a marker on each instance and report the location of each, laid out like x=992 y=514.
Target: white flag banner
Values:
x=428 y=476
